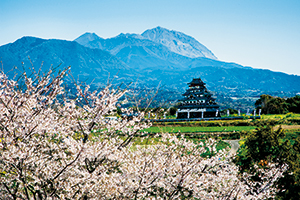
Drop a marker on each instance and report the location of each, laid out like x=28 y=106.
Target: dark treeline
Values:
x=278 y=105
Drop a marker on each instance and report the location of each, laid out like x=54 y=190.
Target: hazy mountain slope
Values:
x=239 y=81
x=112 y=45
x=85 y=63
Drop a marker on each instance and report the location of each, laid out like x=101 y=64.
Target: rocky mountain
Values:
x=135 y=51
x=155 y=49
x=178 y=42
x=174 y=41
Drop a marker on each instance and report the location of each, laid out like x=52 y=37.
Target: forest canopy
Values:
x=277 y=105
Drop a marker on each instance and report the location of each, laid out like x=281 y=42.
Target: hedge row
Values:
x=223 y=136
x=257 y=122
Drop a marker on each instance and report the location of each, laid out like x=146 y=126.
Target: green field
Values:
x=281 y=116
x=286 y=121
x=198 y=129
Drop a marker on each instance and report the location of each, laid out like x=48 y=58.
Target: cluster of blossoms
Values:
x=53 y=147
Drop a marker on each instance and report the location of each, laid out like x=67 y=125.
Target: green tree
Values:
x=294 y=104
x=173 y=110
x=264 y=146
x=278 y=106
x=231 y=111
x=262 y=103
x=272 y=105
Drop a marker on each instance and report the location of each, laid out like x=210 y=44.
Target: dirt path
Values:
x=287 y=127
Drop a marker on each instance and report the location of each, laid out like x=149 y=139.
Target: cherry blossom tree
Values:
x=54 y=147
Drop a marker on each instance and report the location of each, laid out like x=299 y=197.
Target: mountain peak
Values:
x=178 y=42
x=128 y=35
x=87 y=37
x=159 y=28
x=29 y=39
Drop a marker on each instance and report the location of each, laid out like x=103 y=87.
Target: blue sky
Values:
x=257 y=33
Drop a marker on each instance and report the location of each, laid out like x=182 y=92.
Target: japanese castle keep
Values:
x=197 y=102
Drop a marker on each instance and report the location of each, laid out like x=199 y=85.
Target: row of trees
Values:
x=277 y=105
x=54 y=147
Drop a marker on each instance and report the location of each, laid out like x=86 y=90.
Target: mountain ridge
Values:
x=152 y=54
x=148 y=63
x=187 y=45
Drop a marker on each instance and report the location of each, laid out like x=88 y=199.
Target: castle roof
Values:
x=196 y=81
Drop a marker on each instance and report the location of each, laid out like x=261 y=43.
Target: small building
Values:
x=197 y=102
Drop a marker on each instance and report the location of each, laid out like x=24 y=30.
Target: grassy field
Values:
x=286 y=121
x=197 y=129
x=224 y=130
x=281 y=116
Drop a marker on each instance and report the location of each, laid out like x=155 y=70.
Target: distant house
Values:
x=197 y=102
